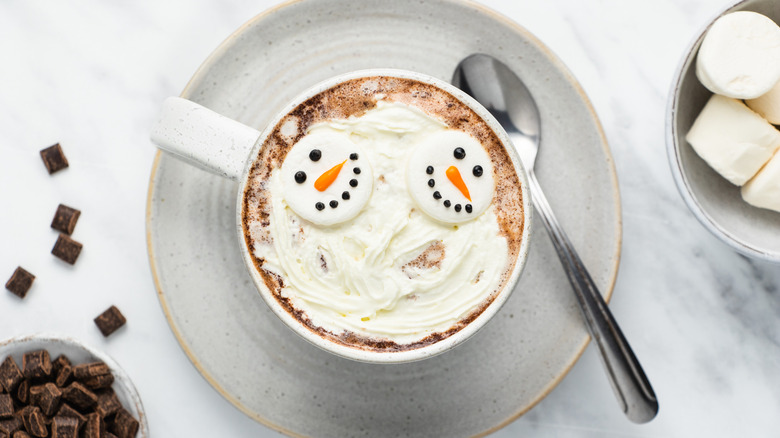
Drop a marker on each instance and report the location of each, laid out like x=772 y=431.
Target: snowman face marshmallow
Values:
x=450 y=177
x=326 y=178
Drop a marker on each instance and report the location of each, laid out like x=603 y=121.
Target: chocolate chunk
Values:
x=94 y=427
x=6 y=406
x=108 y=403
x=67 y=411
x=20 y=434
x=110 y=435
x=65 y=219
x=66 y=249
x=91 y=369
x=79 y=396
x=23 y=392
x=64 y=376
x=109 y=321
x=64 y=427
x=20 y=282
x=34 y=422
x=99 y=382
x=12 y=424
x=59 y=363
x=124 y=425
x=36 y=365
x=10 y=374
x=54 y=159
x=47 y=397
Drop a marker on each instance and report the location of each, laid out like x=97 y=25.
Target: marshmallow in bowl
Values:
x=764 y=189
x=740 y=55
x=768 y=105
x=732 y=139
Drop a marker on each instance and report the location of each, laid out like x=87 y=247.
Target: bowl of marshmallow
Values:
x=722 y=138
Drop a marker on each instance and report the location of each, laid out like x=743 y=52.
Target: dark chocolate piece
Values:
x=20 y=282
x=65 y=219
x=79 y=396
x=64 y=427
x=124 y=425
x=99 y=382
x=91 y=369
x=53 y=158
x=36 y=365
x=67 y=411
x=59 y=363
x=95 y=427
x=108 y=403
x=47 y=397
x=23 y=392
x=109 y=321
x=20 y=434
x=10 y=374
x=110 y=435
x=12 y=424
x=66 y=249
x=64 y=376
x=34 y=422
x=6 y=406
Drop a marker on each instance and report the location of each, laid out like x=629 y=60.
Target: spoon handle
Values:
x=629 y=382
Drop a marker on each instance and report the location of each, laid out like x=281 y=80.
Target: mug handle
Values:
x=204 y=138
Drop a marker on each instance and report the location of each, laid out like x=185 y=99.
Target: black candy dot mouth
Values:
x=437 y=194
x=316 y=155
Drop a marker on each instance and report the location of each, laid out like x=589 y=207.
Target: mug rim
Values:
x=438 y=347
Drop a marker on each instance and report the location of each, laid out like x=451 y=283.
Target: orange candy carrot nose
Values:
x=327 y=178
x=454 y=176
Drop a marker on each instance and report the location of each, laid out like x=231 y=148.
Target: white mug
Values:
x=227 y=148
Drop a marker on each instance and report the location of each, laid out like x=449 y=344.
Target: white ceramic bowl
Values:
x=79 y=353
x=717 y=204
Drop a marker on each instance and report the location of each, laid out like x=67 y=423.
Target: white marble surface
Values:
x=91 y=74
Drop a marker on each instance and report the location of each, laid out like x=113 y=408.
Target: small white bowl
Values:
x=79 y=353
x=715 y=202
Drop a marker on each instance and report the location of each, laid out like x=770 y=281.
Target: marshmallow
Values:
x=326 y=178
x=764 y=189
x=768 y=105
x=740 y=55
x=732 y=139
x=450 y=177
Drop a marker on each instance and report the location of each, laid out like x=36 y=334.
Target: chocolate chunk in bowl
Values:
x=44 y=409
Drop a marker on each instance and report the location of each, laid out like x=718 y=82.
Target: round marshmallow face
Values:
x=326 y=178
x=450 y=177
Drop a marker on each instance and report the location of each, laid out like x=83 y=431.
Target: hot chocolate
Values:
x=383 y=214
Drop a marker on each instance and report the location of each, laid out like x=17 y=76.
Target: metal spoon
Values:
x=499 y=90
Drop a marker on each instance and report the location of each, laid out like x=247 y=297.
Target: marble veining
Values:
x=702 y=319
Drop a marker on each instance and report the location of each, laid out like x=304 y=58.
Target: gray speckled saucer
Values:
x=272 y=374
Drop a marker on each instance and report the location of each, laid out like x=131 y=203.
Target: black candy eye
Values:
x=315 y=155
x=477 y=171
x=459 y=153
x=319 y=206
x=300 y=177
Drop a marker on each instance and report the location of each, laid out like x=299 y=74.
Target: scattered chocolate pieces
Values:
x=36 y=364
x=20 y=282
x=123 y=424
x=65 y=219
x=64 y=427
x=10 y=374
x=6 y=406
x=109 y=321
x=54 y=159
x=66 y=249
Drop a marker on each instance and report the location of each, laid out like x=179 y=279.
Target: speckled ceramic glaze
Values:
x=78 y=353
x=716 y=202
x=272 y=374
